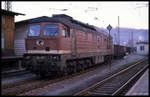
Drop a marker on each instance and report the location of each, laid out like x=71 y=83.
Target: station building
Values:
x=142 y=48
x=7 y=32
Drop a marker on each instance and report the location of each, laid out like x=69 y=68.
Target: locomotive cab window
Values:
x=34 y=30
x=51 y=29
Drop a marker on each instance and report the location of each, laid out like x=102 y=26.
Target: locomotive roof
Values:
x=102 y=31
x=67 y=20
x=64 y=19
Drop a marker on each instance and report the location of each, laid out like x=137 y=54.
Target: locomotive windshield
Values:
x=51 y=29
x=34 y=30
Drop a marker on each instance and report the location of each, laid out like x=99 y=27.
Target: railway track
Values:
x=14 y=73
x=118 y=83
x=28 y=85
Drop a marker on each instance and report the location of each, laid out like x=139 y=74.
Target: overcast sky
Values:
x=101 y=14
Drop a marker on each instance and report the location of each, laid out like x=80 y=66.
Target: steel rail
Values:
x=85 y=91
x=41 y=83
x=15 y=73
x=129 y=81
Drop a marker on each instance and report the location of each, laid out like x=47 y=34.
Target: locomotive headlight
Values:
x=55 y=57
x=37 y=57
x=28 y=57
x=40 y=57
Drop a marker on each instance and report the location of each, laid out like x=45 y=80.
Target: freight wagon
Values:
x=119 y=51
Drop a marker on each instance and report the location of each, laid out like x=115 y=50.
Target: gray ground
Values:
x=141 y=87
x=11 y=80
x=75 y=84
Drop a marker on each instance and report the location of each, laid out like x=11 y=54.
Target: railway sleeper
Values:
x=102 y=92
x=97 y=94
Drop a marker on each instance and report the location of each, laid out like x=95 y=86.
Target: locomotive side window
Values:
x=51 y=29
x=98 y=39
x=86 y=36
x=73 y=34
x=34 y=30
x=93 y=37
x=65 y=32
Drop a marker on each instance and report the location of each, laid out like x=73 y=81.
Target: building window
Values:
x=3 y=20
x=142 y=48
x=86 y=36
x=65 y=32
x=34 y=30
x=51 y=29
x=3 y=39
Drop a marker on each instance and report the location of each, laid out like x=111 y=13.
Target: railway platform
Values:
x=141 y=87
x=11 y=64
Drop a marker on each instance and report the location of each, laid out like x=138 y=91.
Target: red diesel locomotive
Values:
x=62 y=45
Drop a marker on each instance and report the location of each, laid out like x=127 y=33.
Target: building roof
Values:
x=142 y=42
x=27 y=21
x=6 y=12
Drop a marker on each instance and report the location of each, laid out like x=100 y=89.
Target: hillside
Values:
x=125 y=34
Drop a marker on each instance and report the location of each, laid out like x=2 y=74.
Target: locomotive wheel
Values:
x=42 y=75
x=65 y=73
x=82 y=65
x=68 y=68
x=74 y=70
x=90 y=63
x=78 y=67
x=59 y=73
x=74 y=67
x=85 y=64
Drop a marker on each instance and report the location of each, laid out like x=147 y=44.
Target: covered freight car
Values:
x=119 y=51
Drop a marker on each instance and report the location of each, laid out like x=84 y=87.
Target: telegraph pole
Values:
x=118 y=31
x=8 y=5
x=132 y=40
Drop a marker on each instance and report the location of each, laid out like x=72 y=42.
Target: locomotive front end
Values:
x=42 y=48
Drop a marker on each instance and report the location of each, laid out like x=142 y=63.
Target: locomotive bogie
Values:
x=38 y=63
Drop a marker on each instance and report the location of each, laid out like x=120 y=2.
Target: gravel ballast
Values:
x=78 y=83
